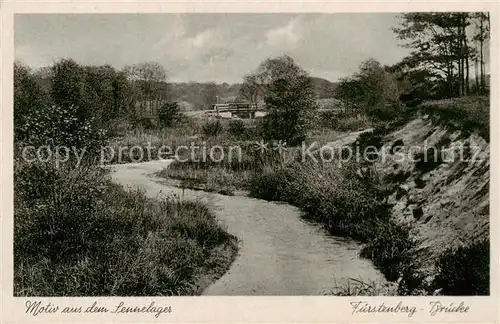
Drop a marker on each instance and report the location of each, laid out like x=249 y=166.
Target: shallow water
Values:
x=279 y=252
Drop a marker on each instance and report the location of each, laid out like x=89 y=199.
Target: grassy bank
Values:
x=469 y=114
x=77 y=234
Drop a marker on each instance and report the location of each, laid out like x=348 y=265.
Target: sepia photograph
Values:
x=252 y=154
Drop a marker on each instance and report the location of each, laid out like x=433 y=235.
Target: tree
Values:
x=440 y=45
x=68 y=87
x=374 y=90
x=66 y=118
x=28 y=97
x=256 y=85
x=289 y=97
x=107 y=89
x=482 y=34
x=169 y=113
x=253 y=87
x=209 y=92
x=150 y=82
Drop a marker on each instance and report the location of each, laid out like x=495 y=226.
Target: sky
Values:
x=210 y=47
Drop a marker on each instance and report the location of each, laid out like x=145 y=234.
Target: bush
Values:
x=387 y=112
x=236 y=128
x=372 y=140
x=465 y=270
x=62 y=126
x=270 y=184
x=145 y=123
x=29 y=97
x=169 y=114
x=59 y=208
x=119 y=127
x=212 y=128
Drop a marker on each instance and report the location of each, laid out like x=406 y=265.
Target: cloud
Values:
x=287 y=36
x=202 y=47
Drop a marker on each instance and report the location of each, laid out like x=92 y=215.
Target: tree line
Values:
x=444 y=47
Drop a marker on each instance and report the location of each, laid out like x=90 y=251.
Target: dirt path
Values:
x=279 y=253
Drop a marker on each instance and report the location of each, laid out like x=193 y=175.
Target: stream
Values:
x=279 y=252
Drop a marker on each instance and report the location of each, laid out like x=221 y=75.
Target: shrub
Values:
x=59 y=208
x=236 y=128
x=62 y=126
x=398 y=176
x=212 y=128
x=270 y=184
x=28 y=98
x=144 y=123
x=387 y=112
x=342 y=122
x=465 y=270
x=169 y=114
x=119 y=127
x=352 y=123
x=372 y=140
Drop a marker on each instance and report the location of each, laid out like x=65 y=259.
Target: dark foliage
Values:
x=236 y=128
x=465 y=271
x=169 y=114
x=212 y=128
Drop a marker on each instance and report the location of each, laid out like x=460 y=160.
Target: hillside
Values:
x=200 y=95
x=323 y=88
x=446 y=203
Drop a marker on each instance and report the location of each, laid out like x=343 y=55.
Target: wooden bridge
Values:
x=242 y=110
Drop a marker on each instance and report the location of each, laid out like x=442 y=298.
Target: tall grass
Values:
x=231 y=170
x=141 y=144
x=470 y=114
x=342 y=122
x=77 y=234
x=358 y=287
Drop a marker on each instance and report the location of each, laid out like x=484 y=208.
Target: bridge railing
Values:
x=234 y=107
